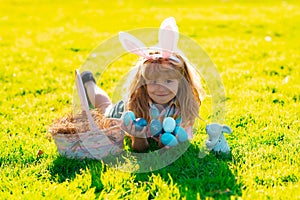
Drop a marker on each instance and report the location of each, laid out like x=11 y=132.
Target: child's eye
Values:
x=155 y=82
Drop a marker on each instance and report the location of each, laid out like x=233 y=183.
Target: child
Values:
x=164 y=85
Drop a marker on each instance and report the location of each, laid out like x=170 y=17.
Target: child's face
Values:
x=161 y=90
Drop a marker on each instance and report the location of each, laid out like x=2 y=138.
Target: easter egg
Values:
x=181 y=134
x=139 y=123
x=155 y=127
x=154 y=112
x=127 y=117
x=178 y=121
x=168 y=139
x=169 y=124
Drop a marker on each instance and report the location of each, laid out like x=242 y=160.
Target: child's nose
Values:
x=161 y=87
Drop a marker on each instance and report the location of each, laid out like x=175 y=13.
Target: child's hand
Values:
x=157 y=139
x=131 y=130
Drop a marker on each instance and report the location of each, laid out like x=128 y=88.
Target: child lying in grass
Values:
x=164 y=85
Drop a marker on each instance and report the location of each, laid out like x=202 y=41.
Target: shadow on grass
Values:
x=206 y=176
x=65 y=169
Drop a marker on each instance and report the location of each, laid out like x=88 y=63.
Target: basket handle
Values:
x=83 y=100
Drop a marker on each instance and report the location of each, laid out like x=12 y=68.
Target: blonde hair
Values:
x=189 y=95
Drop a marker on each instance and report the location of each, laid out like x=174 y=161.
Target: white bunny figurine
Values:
x=216 y=140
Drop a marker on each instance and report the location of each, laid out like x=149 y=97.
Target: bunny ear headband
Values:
x=167 y=37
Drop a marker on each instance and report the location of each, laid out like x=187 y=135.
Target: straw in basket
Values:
x=95 y=143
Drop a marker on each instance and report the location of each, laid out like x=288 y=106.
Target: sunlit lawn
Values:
x=255 y=47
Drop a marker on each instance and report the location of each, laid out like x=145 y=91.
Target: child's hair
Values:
x=189 y=95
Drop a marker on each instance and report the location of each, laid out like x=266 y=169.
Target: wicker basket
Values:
x=95 y=137
x=90 y=144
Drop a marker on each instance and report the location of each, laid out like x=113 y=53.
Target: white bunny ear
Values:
x=132 y=44
x=168 y=36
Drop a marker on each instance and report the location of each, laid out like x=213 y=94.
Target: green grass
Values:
x=43 y=42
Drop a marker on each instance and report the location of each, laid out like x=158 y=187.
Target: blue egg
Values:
x=181 y=134
x=127 y=117
x=168 y=139
x=169 y=124
x=154 y=112
x=178 y=121
x=139 y=123
x=155 y=127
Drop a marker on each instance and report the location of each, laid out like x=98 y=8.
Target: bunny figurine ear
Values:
x=168 y=36
x=226 y=129
x=132 y=44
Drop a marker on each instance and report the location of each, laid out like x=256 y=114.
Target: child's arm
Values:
x=189 y=131
x=139 y=144
x=138 y=138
